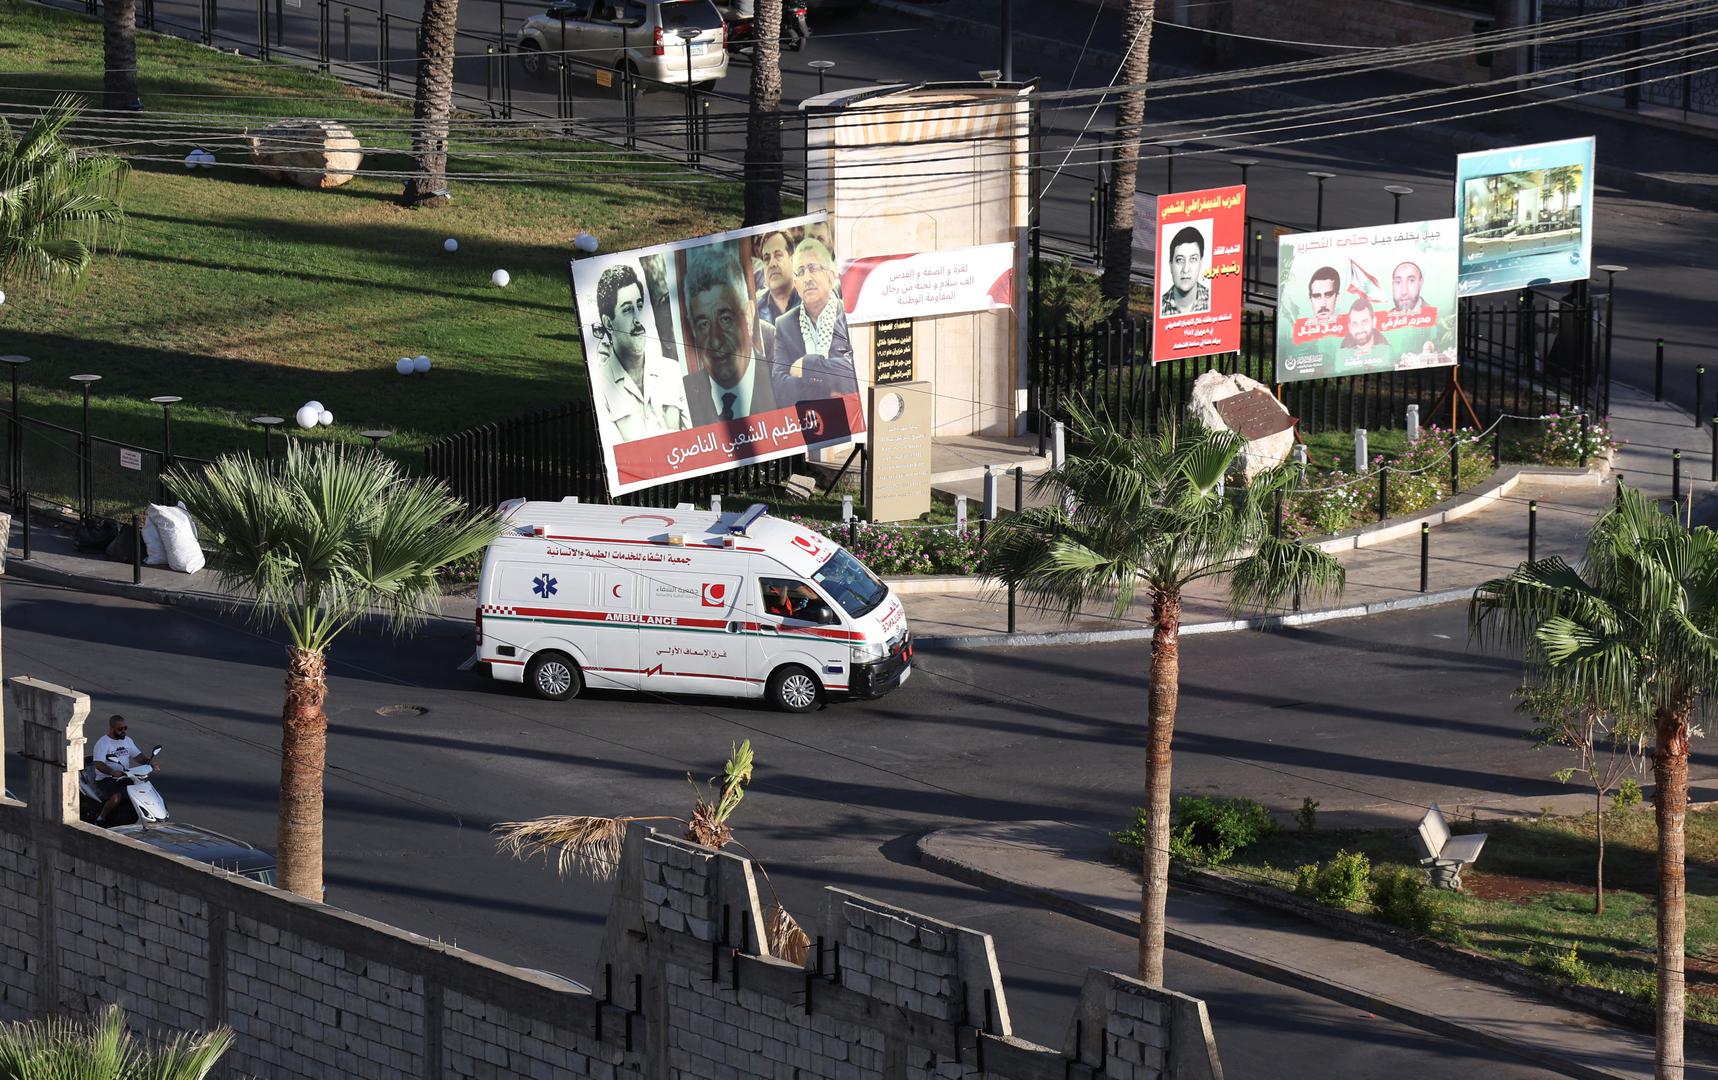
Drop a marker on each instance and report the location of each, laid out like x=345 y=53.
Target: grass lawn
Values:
x=1530 y=897
x=247 y=296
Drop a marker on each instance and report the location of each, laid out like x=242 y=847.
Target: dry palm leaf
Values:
x=786 y=940
x=588 y=844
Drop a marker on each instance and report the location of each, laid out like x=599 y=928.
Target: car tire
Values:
x=554 y=676
x=531 y=60
x=794 y=689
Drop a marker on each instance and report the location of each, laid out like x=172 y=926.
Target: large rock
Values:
x=1249 y=409
x=309 y=153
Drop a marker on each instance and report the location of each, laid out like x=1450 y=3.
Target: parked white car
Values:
x=668 y=41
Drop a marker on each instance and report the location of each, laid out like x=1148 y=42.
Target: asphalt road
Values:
x=1365 y=717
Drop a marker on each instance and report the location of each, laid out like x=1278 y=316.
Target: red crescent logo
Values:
x=616 y=591
x=667 y=522
x=714 y=594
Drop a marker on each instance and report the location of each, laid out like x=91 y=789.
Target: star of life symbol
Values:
x=544 y=586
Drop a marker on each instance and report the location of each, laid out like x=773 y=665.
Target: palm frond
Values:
x=785 y=938
x=587 y=844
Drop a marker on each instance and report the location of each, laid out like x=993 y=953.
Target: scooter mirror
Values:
x=155 y=751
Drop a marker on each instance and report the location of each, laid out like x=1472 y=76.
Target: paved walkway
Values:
x=1064 y=865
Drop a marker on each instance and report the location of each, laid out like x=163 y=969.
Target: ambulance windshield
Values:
x=853 y=587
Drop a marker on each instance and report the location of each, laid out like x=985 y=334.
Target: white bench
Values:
x=1444 y=856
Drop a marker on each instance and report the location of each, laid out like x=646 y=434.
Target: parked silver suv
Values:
x=670 y=41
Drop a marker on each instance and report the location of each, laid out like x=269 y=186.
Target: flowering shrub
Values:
x=893 y=550
x=1562 y=442
x=1419 y=478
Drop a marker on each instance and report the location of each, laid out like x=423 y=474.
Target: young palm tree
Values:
x=333 y=535
x=58 y=1046
x=1635 y=631
x=432 y=104
x=1124 y=169
x=58 y=205
x=119 y=55
x=591 y=845
x=763 y=123
x=1151 y=512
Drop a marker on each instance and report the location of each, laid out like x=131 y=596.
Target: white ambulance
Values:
x=684 y=602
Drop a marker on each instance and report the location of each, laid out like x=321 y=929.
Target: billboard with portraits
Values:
x=1200 y=237
x=1526 y=215
x=1363 y=301
x=716 y=352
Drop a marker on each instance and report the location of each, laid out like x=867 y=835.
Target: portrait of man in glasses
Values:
x=813 y=356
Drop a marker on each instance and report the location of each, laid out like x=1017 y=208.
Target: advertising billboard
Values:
x=716 y=352
x=1200 y=237
x=1526 y=215
x=1361 y=301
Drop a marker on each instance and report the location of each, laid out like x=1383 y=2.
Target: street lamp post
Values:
x=1398 y=190
x=1318 y=217
x=1244 y=163
x=1169 y=164
x=268 y=424
x=376 y=436
x=166 y=401
x=1611 y=271
x=86 y=484
x=1007 y=63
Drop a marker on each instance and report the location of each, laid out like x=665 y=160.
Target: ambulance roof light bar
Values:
x=747 y=519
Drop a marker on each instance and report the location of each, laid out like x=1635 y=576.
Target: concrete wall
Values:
x=1373 y=22
x=688 y=990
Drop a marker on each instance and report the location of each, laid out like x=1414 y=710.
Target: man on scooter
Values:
x=114 y=753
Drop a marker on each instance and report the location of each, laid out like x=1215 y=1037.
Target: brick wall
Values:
x=687 y=985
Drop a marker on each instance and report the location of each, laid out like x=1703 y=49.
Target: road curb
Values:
x=1206 y=949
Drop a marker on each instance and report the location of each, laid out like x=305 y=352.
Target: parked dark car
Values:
x=205 y=846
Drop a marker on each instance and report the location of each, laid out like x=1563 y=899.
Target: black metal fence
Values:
x=1531 y=357
x=554 y=453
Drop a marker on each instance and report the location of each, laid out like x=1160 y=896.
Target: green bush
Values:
x=1401 y=897
x=1307 y=816
x=1565 y=965
x=1341 y=881
x=1205 y=831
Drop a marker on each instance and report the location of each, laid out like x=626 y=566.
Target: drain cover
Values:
x=401 y=710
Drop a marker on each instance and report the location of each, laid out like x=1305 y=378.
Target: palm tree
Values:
x=432 y=104
x=58 y=205
x=1635 y=631
x=591 y=845
x=1152 y=511
x=763 y=123
x=58 y=1046
x=119 y=55
x=320 y=542
x=1124 y=170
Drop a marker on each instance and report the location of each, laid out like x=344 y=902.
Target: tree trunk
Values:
x=1670 y=803
x=119 y=55
x=432 y=104
x=763 y=124
x=1124 y=172
x=1599 y=868
x=1160 y=728
x=303 y=756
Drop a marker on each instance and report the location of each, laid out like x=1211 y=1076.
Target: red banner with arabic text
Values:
x=1201 y=243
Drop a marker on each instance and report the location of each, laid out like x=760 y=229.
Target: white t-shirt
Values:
x=119 y=753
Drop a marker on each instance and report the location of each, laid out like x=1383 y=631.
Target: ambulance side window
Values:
x=790 y=598
x=537 y=583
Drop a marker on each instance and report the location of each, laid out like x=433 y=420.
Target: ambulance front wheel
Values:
x=554 y=676
x=794 y=689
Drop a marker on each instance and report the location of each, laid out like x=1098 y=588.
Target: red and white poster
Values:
x=881 y=287
x=1201 y=236
x=717 y=352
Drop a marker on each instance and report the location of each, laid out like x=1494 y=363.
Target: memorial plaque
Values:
x=892 y=351
x=1254 y=414
x=898 y=460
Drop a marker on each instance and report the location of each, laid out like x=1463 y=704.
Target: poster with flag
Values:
x=1363 y=301
x=876 y=288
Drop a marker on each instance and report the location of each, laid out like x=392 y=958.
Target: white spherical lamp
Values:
x=193 y=159
x=404 y=365
x=314 y=406
x=500 y=278
x=585 y=243
x=326 y=418
x=450 y=245
x=307 y=417
x=421 y=364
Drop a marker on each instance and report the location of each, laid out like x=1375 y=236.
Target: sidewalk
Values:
x=1064 y=866
x=1383 y=574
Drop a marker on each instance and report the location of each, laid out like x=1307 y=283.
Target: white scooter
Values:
x=142 y=804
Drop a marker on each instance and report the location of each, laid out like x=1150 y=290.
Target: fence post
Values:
x=262 y=29
x=1455 y=466
x=346 y=33
x=1059 y=446
x=26 y=513
x=1383 y=490
x=1715 y=448
x=1658 y=373
x=382 y=72
x=1676 y=480
x=1699 y=392
x=960 y=500
x=1425 y=551
x=989 y=492
x=1360 y=454
x=136 y=552
x=1413 y=423
x=1532 y=529
x=1019 y=488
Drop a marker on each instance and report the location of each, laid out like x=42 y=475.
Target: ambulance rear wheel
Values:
x=554 y=676
x=794 y=689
